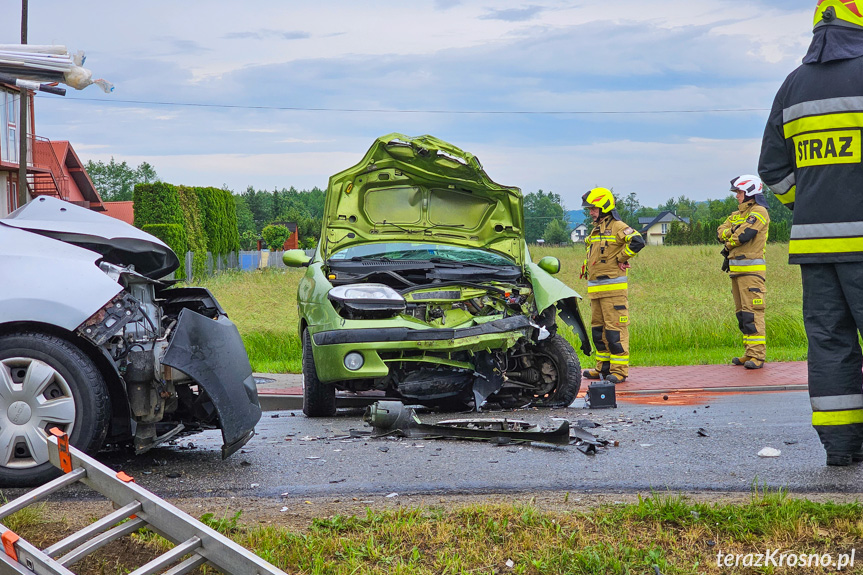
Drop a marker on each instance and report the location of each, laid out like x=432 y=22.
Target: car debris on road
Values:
x=392 y=418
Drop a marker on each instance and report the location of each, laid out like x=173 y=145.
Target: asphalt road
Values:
x=659 y=448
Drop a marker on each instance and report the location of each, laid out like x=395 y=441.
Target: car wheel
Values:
x=46 y=382
x=559 y=373
x=319 y=398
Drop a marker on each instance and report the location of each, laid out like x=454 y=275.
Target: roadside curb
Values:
x=284 y=392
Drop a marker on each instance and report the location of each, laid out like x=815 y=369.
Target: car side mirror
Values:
x=548 y=264
x=296 y=258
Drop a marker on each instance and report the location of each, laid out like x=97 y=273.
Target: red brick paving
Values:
x=689 y=378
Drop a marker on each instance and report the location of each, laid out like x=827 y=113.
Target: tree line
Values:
x=545 y=215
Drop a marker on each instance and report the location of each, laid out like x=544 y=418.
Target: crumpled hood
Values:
x=115 y=240
x=421 y=189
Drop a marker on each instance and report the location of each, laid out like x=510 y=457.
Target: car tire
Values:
x=565 y=360
x=319 y=398
x=45 y=381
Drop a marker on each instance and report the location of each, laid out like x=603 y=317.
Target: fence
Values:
x=243 y=260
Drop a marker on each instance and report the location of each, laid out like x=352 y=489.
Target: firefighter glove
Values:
x=725 y=265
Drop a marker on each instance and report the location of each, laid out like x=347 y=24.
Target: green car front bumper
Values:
x=382 y=345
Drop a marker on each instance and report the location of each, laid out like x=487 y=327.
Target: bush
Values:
x=219 y=217
x=175 y=236
x=157 y=203
x=195 y=234
x=275 y=236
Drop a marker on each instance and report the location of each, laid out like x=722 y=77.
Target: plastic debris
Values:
x=769 y=452
x=48 y=64
x=392 y=417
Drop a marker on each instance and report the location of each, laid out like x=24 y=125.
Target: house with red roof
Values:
x=53 y=167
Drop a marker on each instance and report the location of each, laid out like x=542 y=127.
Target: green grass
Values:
x=263 y=304
x=681 y=310
x=669 y=531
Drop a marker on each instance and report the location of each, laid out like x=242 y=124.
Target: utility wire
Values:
x=398 y=111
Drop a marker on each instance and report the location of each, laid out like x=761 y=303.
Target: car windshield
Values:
x=421 y=252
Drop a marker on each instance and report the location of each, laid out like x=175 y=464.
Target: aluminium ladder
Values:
x=136 y=508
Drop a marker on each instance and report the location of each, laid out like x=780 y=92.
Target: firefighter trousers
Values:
x=609 y=326
x=833 y=316
x=749 y=304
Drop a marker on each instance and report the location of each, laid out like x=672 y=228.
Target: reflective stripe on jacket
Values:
x=812 y=159
x=610 y=243
x=744 y=234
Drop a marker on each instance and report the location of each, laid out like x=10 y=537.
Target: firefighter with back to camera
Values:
x=744 y=235
x=811 y=160
x=610 y=246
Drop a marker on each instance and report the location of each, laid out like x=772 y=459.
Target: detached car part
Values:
x=393 y=416
x=422 y=287
x=92 y=342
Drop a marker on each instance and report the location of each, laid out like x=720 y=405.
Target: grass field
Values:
x=681 y=310
x=676 y=535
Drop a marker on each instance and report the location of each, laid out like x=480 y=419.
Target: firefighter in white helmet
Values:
x=744 y=234
x=610 y=246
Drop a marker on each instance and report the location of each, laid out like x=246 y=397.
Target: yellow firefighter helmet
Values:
x=601 y=198
x=841 y=12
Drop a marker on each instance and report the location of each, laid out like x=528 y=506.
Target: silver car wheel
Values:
x=36 y=398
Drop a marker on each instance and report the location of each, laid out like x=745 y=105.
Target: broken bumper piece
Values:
x=392 y=417
x=211 y=352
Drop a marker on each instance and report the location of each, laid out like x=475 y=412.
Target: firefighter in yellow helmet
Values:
x=610 y=246
x=744 y=234
x=811 y=160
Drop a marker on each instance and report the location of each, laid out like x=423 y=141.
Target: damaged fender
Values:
x=211 y=352
x=551 y=291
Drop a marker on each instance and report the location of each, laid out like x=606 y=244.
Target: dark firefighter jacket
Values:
x=744 y=234
x=812 y=152
x=610 y=242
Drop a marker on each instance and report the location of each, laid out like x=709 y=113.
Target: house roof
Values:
x=66 y=155
x=121 y=210
x=292 y=226
x=663 y=217
x=77 y=171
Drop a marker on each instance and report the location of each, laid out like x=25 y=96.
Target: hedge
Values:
x=175 y=236
x=219 y=215
x=157 y=203
x=195 y=232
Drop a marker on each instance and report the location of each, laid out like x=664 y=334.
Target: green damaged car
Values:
x=422 y=287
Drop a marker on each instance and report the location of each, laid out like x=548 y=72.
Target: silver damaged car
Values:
x=94 y=343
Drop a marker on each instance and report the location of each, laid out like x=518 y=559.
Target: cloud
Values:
x=266 y=34
x=543 y=92
x=512 y=14
x=169 y=45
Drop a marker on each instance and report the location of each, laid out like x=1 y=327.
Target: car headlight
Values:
x=367 y=300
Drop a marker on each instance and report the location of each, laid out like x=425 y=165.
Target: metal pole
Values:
x=22 y=123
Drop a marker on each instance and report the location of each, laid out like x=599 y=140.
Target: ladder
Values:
x=195 y=543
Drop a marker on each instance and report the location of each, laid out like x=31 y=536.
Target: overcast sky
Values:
x=275 y=93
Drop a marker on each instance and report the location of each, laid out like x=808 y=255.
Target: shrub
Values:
x=157 y=203
x=195 y=234
x=275 y=236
